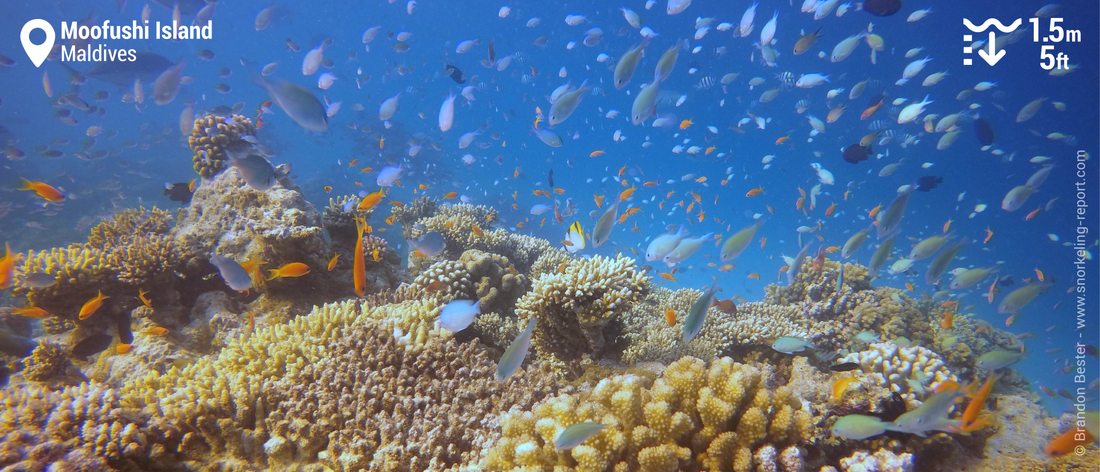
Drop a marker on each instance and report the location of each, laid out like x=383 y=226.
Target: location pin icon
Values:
x=37 y=52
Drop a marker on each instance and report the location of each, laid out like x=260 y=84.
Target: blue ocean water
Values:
x=139 y=148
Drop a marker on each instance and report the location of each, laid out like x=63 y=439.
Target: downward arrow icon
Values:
x=993 y=55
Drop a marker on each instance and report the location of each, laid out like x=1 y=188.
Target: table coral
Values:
x=695 y=416
x=575 y=307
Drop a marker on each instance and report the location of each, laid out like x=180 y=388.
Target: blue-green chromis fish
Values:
x=693 y=324
x=576 y=434
x=516 y=352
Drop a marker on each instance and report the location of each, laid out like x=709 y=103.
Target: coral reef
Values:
x=815 y=290
x=912 y=371
x=881 y=461
x=211 y=136
x=717 y=416
x=49 y=362
x=578 y=308
x=131 y=250
x=375 y=406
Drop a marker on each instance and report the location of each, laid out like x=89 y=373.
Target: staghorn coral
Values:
x=577 y=308
x=695 y=416
x=211 y=136
x=910 y=371
x=374 y=406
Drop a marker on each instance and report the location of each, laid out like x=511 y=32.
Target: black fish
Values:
x=456 y=74
x=178 y=192
x=984 y=130
x=882 y=7
x=855 y=153
x=93 y=344
x=125 y=334
x=550 y=178
x=928 y=182
x=844 y=367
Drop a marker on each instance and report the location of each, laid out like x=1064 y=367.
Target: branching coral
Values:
x=910 y=371
x=375 y=406
x=695 y=416
x=131 y=250
x=576 y=306
x=815 y=290
x=47 y=363
x=890 y=314
x=210 y=136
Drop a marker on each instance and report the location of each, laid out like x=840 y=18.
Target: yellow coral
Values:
x=693 y=416
x=575 y=305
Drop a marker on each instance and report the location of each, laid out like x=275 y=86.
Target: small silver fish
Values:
x=513 y=356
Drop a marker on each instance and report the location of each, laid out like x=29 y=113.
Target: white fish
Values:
x=934 y=78
x=675 y=7
x=370 y=33
x=631 y=17
x=918 y=15
x=467 y=139
x=574 y=20
x=767 y=34
x=325 y=80
x=845 y=47
x=912 y=69
x=459 y=314
x=901 y=265
x=644 y=104
x=823 y=174
x=447 y=113
x=663 y=244
x=912 y=111
x=388 y=176
x=811 y=80
x=388 y=107
x=746 y=20
x=312 y=62
x=984 y=85
x=465 y=46
x=504 y=12
x=685 y=249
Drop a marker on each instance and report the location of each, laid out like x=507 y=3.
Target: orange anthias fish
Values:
x=30 y=312
x=7 y=263
x=988 y=235
x=948 y=320
x=450 y=195
x=1066 y=442
x=91 y=306
x=754 y=276
x=626 y=193
x=947 y=226
x=289 y=270
x=44 y=191
x=371 y=200
x=123 y=348
x=667 y=276
x=143 y=296
x=1032 y=214
x=754 y=191
x=155 y=331
x=872 y=109
x=969 y=420
x=829 y=211
x=670 y=316
x=874 y=211
x=1039 y=275
x=841 y=386
x=992 y=291
x=358 y=264
x=596 y=153
x=332 y=262
x=685 y=124
x=599 y=200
